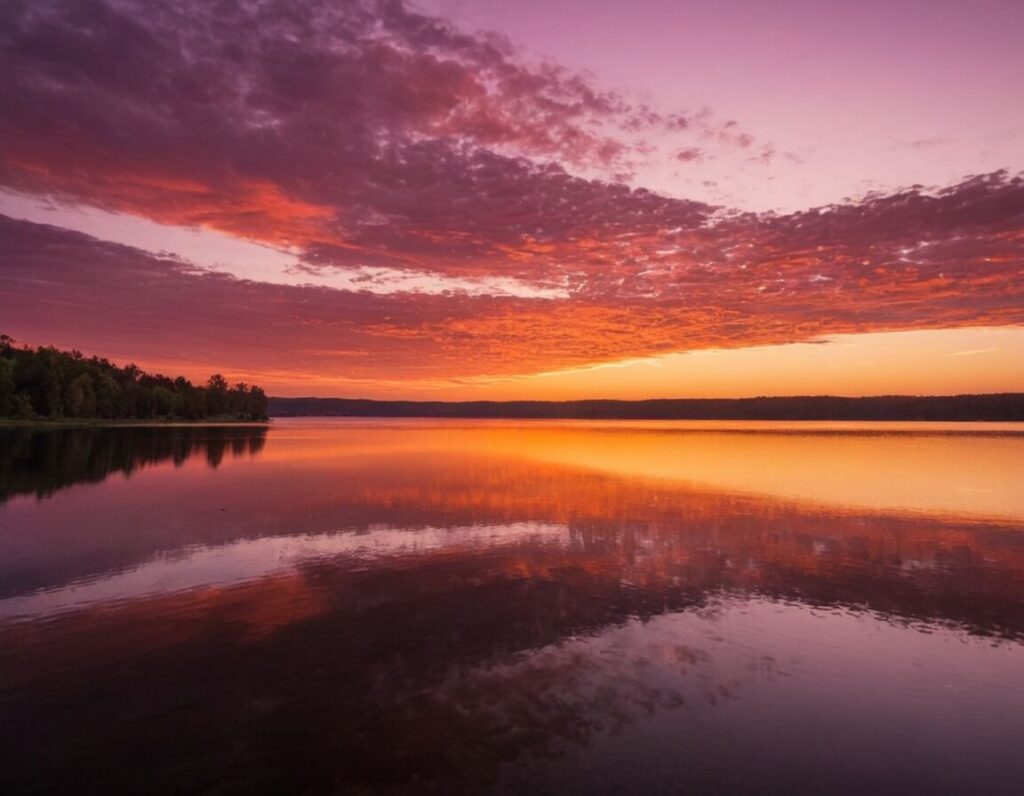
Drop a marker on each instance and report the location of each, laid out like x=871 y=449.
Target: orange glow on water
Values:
x=489 y=577
x=904 y=467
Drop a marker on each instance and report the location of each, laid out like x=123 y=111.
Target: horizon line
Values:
x=795 y=396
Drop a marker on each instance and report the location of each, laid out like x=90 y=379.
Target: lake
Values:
x=412 y=606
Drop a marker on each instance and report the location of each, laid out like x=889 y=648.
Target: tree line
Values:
x=45 y=383
x=1000 y=406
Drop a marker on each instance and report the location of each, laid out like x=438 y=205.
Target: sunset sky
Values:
x=531 y=199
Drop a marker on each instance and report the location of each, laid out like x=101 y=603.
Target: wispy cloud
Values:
x=973 y=352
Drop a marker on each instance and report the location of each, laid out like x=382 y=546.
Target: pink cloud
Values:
x=689 y=154
x=367 y=135
x=909 y=261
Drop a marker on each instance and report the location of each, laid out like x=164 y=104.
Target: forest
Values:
x=47 y=384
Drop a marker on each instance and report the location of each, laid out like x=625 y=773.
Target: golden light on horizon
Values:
x=934 y=362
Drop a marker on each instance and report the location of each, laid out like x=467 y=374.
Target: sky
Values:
x=459 y=199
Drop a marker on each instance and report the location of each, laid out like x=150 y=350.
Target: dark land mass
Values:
x=994 y=407
x=52 y=386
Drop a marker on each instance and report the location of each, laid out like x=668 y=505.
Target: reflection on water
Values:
x=41 y=462
x=413 y=606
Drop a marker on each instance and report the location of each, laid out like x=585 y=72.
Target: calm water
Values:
x=544 y=607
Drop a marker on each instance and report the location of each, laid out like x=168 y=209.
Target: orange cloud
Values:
x=426 y=150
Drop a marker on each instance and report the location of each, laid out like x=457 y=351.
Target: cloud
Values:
x=689 y=154
x=921 y=144
x=973 y=352
x=361 y=132
x=370 y=138
x=69 y=289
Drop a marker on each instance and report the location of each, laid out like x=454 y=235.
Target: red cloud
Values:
x=340 y=114
x=368 y=135
x=776 y=281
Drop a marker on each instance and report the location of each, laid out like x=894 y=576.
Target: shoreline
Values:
x=983 y=407
x=654 y=419
x=127 y=423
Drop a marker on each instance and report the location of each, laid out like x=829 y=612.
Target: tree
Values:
x=163 y=402
x=22 y=407
x=40 y=379
x=6 y=386
x=257 y=404
x=81 y=400
x=107 y=395
x=216 y=395
x=193 y=403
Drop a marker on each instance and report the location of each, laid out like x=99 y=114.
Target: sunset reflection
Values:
x=490 y=594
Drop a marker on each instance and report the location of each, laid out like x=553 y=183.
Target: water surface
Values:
x=400 y=606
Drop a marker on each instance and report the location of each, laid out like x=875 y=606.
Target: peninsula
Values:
x=48 y=385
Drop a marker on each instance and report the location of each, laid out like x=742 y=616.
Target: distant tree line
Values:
x=1000 y=406
x=45 y=383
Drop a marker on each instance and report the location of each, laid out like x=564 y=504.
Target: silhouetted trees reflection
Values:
x=43 y=461
x=47 y=383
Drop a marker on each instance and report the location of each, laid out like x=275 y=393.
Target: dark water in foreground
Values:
x=448 y=607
